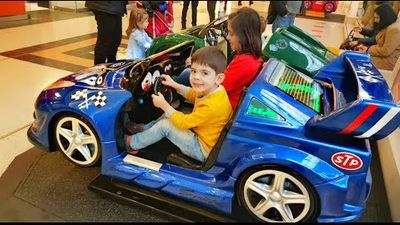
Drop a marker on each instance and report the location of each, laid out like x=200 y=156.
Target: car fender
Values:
x=315 y=170
x=101 y=118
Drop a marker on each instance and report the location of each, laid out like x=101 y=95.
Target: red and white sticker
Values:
x=347 y=161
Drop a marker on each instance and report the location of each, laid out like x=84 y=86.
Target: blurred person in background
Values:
x=386 y=50
x=108 y=15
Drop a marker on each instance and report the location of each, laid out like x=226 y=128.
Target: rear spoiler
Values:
x=363 y=106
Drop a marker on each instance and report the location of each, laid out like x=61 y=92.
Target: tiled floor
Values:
x=52 y=44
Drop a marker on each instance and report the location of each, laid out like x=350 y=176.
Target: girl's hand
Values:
x=362 y=48
x=357 y=29
x=168 y=81
x=188 y=62
x=159 y=101
x=353 y=43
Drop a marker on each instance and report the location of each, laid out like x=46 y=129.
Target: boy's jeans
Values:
x=282 y=22
x=154 y=131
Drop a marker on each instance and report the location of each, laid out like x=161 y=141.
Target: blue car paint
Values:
x=250 y=142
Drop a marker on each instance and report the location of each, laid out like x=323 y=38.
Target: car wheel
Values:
x=77 y=140
x=329 y=7
x=274 y=194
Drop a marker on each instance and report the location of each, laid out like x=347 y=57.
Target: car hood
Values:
x=105 y=75
x=298 y=49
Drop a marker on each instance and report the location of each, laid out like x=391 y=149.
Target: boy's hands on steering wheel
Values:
x=160 y=102
x=168 y=81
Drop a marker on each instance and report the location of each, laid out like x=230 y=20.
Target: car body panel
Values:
x=365 y=111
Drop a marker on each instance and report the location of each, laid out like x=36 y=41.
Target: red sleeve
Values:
x=240 y=72
x=233 y=74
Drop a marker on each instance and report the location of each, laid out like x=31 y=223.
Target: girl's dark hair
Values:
x=210 y=56
x=387 y=17
x=246 y=25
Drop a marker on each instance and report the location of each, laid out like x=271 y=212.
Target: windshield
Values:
x=301 y=87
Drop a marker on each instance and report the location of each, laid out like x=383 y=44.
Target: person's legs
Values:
x=280 y=22
x=194 y=12
x=186 y=140
x=184 y=13
x=183 y=78
x=100 y=53
x=115 y=34
x=290 y=20
x=211 y=9
x=109 y=34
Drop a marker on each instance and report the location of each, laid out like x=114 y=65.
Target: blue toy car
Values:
x=296 y=148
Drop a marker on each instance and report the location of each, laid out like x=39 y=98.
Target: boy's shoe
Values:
x=134 y=128
x=129 y=150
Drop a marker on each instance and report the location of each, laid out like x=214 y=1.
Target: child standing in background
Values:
x=139 y=41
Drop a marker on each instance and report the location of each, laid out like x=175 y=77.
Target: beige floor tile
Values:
x=24 y=81
x=12 y=146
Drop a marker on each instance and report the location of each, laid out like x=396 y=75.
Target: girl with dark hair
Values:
x=388 y=17
x=244 y=37
x=386 y=50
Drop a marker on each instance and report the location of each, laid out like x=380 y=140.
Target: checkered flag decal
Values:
x=100 y=99
x=79 y=94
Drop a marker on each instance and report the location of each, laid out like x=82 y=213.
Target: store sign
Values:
x=347 y=161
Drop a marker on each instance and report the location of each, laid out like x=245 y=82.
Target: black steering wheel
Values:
x=166 y=91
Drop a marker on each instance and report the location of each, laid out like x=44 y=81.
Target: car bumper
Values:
x=34 y=140
x=344 y=199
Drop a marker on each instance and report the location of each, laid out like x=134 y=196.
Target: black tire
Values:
x=76 y=138
x=270 y=179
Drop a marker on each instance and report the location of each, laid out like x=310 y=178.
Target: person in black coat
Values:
x=108 y=15
x=194 y=12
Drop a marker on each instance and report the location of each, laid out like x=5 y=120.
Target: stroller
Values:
x=161 y=19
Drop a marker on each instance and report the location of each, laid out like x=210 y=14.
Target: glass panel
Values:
x=301 y=87
x=258 y=109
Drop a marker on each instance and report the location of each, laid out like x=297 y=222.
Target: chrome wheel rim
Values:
x=77 y=141
x=276 y=196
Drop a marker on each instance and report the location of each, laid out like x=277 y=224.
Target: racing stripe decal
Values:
x=381 y=123
x=360 y=119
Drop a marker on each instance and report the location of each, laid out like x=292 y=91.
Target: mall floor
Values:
x=50 y=45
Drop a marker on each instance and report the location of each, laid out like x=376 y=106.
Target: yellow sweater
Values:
x=208 y=118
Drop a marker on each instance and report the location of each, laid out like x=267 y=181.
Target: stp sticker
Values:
x=347 y=161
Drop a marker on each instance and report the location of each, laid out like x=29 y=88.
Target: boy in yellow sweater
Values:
x=196 y=133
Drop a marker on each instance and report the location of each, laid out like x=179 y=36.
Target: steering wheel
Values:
x=212 y=37
x=166 y=91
